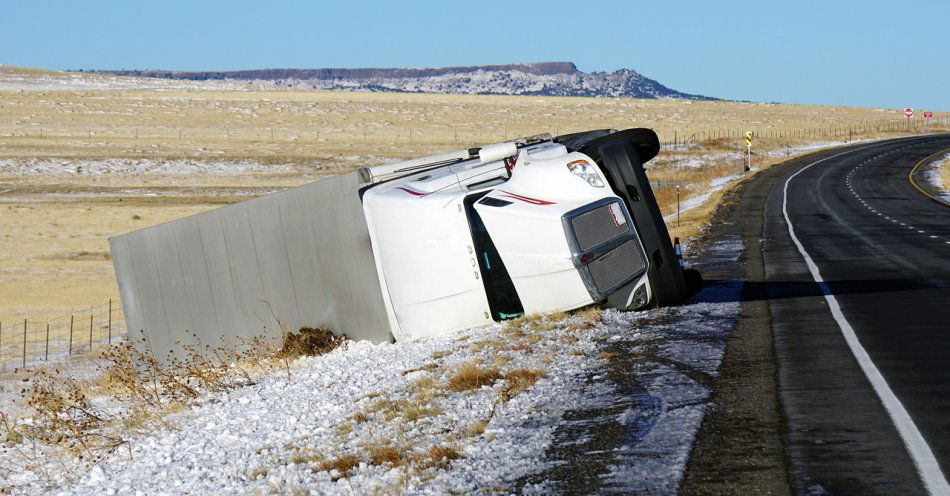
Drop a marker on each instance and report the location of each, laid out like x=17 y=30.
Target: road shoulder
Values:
x=740 y=448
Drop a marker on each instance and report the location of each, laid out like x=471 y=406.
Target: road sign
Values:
x=748 y=145
x=928 y=114
x=908 y=112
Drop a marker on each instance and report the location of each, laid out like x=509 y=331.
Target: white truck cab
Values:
x=514 y=228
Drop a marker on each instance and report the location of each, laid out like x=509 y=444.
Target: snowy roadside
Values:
x=933 y=176
x=694 y=201
x=393 y=417
x=719 y=183
x=176 y=166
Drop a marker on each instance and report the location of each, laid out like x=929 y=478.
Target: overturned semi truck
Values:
x=417 y=248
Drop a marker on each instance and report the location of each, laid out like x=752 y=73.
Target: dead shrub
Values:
x=64 y=415
x=310 y=342
x=471 y=376
x=11 y=434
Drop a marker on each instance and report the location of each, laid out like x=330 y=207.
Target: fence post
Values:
x=90 y=331
x=24 y=343
x=71 y=334
x=110 y=320
x=46 y=356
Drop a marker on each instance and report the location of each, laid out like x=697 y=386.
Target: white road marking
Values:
x=917 y=447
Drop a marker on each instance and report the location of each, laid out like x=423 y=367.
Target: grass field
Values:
x=81 y=161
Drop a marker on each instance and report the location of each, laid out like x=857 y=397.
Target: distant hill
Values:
x=540 y=78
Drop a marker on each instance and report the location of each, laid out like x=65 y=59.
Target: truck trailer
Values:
x=422 y=247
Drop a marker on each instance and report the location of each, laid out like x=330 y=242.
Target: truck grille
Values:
x=616 y=266
x=597 y=226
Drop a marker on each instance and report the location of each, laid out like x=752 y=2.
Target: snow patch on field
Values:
x=66 y=166
x=71 y=81
x=810 y=147
x=171 y=167
x=695 y=201
x=932 y=175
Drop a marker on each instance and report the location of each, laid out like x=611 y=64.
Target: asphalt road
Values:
x=883 y=251
x=794 y=409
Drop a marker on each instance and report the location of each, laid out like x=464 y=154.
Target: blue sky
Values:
x=869 y=53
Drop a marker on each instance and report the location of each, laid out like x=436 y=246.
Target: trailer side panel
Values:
x=220 y=277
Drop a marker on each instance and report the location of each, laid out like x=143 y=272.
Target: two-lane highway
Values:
x=857 y=266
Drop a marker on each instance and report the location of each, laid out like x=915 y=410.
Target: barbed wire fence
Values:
x=841 y=133
x=30 y=343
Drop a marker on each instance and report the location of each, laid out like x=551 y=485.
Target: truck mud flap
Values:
x=619 y=157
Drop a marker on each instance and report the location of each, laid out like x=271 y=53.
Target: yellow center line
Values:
x=910 y=177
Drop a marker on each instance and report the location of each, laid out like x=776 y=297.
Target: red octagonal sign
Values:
x=908 y=112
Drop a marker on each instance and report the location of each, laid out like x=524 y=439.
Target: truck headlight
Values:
x=584 y=170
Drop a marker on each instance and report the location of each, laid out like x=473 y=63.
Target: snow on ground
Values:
x=14 y=79
x=815 y=145
x=276 y=435
x=174 y=167
x=638 y=414
x=718 y=183
x=695 y=201
x=932 y=175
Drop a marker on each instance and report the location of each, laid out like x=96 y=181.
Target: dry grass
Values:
x=476 y=428
x=324 y=124
x=386 y=455
x=472 y=376
x=342 y=465
x=51 y=238
x=945 y=173
x=519 y=380
x=441 y=354
x=439 y=456
x=63 y=413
